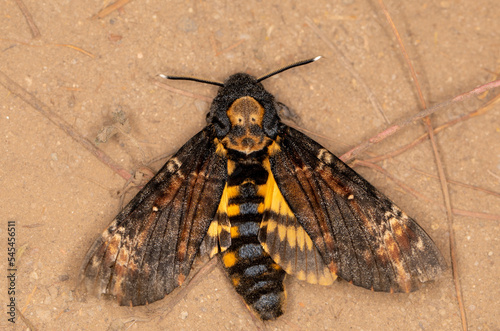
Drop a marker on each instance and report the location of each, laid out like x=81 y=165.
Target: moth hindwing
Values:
x=269 y=201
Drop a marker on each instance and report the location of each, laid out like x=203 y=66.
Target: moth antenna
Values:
x=290 y=66
x=194 y=79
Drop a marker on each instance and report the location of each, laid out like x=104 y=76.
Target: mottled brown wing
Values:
x=149 y=248
x=362 y=236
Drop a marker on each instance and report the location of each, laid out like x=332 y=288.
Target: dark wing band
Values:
x=149 y=248
x=362 y=236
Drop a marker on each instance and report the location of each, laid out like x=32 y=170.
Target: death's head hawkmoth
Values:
x=269 y=201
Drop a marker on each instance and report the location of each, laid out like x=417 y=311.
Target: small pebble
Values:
x=63 y=278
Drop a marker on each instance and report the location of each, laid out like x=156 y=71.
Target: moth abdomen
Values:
x=254 y=274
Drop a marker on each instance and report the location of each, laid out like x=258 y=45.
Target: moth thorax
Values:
x=246 y=134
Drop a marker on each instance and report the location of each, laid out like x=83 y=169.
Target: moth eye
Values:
x=240 y=120
x=253 y=119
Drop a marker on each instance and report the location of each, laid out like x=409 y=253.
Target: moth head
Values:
x=242 y=103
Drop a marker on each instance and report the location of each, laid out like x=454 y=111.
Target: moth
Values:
x=269 y=201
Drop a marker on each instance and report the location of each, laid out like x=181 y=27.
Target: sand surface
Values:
x=85 y=69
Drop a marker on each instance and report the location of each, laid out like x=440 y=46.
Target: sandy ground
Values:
x=62 y=197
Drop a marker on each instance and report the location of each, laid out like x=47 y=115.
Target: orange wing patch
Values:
x=286 y=240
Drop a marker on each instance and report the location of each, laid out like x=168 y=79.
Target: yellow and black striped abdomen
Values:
x=256 y=277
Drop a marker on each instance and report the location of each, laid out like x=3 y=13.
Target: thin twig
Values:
x=407 y=188
x=494 y=175
x=350 y=155
x=418 y=195
x=239 y=42
x=343 y=60
x=43 y=45
x=451 y=181
x=45 y=110
x=476 y=214
x=35 y=32
x=26 y=321
x=482 y=110
x=451 y=230
x=111 y=8
x=405 y=54
x=76 y=48
x=28 y=301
